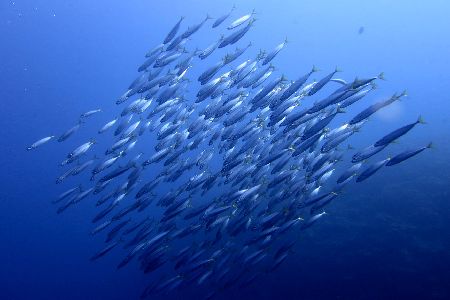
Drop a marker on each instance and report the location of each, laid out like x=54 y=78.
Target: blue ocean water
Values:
x=387 y=238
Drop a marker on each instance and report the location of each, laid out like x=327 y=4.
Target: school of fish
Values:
x=249 y=158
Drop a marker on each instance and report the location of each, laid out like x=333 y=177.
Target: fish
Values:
x=319 y=205
x=366 y=113
x=297 y=84
x=80 y=168
x=40 y=142
x=221 y=19
x=69 y=132
x=82 y=195
x=350 y=172
x=372 y=169
x=193 y=29
x=237 y=35
x=90 y=113
x=173 y=31
x=210 y=49
x=131 y=129
x=367 y=153
x=321 y=83
x=101 y=227
x=406 y=155
x=66 y=194
x=241 y=20
x=105 y=164
x=117 y=172
x=320 y=125
x=164 y=61
x=312 y=220
x=264 y=77
x=334 y=143
x=64 y=175
x=229 y=58
x=81 y=150
x=119 y=144
x=210 y=72
x=104 y=251
x=107 y=126
x=357 y=83
x=356 y=97
x=394 y=135
x=274 y=53
x=157 y=49
x=122 y=125
x=115 y=230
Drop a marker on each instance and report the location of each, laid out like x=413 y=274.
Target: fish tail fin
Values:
x=314 y=69
x=430 y=145
x=197 y=51
x=403 y=94
x=373 y=86
x=254 y=12
x=234 y=7
x=381 y=76
x=208 y=17
x=350 y=147
x=340 y=110
x=286 y=40
x=354 y=82
x=420 y=120
x=337 y=69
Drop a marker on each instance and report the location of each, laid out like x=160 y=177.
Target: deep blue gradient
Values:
x=388 y=238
